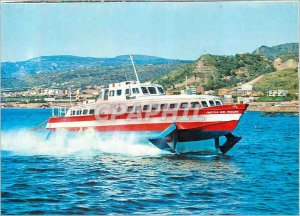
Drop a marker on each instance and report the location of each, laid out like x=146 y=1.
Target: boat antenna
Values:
x=186 y=82
x=131 y=59
x=70 y=95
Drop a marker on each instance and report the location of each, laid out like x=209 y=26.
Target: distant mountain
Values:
x=285 y=51
x=46 y=64
x=83 y=76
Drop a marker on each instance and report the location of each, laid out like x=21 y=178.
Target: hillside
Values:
x=82 y=77
x=214 y=72
x=284 y=51
x=285 y=79
x=210 y=71
x=60 y=63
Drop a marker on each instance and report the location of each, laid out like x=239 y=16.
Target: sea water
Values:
x=122 y=173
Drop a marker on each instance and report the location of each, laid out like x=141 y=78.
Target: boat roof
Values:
x=160 y=99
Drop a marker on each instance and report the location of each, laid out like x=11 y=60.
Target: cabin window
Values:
x=92 y=111
x=164 y=106
x=127 y=91
x=152 y=90
x=135 y=91
x=85 y=112
x=111 y=93
x=119 y=92
x=146 y=107
x=154 y=107
x=211 y=103
x=204 y=103
x=129 y=108
x=78 y=112
x=100 y=95
x=173 y=106
x=218 y=103
x=161 y=90
x=195 y=104
x=106 y=94
x=184 y=105
x=137 y=109
x=144 y=90
x=73 y=112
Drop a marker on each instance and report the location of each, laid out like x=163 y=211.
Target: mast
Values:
x=70 y=94
x=137 y=77
x=186 y=82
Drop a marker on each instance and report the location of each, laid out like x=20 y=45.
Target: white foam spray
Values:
x=26 y=142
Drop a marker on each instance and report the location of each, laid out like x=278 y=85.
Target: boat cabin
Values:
x=130 y=90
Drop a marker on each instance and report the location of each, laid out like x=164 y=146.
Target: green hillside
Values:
x=215 y=72
x=81 y=77
x=284 y=51
x=177 y=75
x=285 y=80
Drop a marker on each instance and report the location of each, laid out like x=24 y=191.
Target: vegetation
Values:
x=176 y=76
x=287 y=51
x=277 y=98
x=210 y=71
x=24 y=99
x=82 y=77
x=240 y=68
x=286 y=57
x=59 y=63
x=285 y=80
x=225 y=71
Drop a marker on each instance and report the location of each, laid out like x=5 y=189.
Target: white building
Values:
x=227 y=99
x=245 y=89
x=244 y=100
x=209 y=92
x=274 y=93
x=189 y=91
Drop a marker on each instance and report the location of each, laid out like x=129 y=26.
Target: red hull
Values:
x=218 y=118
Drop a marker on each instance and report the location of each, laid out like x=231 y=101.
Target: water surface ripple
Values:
x=260 y=175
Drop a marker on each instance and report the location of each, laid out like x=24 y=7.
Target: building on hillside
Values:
x=189 y=91
x=227 y=99
x=245 y=100
x=245 y=90
x=209 y=92
x=281 y=93
x=78 y=91
x=64 y=92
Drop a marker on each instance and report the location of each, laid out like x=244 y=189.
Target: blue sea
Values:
x=121 y=173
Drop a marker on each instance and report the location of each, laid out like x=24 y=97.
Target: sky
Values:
x=170 y=30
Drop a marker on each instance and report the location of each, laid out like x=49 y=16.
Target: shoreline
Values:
x=275 y=107
x=271 y=107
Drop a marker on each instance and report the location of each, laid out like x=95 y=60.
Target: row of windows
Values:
x=145 y=90
x=83 y=112
x=172 y=106
x=155 y=107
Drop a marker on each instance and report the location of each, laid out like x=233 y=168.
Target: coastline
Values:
x=275 y=107
x=272 y=107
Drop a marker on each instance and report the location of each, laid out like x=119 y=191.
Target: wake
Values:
x=24 y=142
